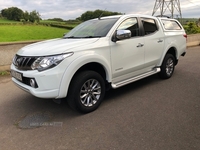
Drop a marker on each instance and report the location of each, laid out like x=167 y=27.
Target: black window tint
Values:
x=171 y=25
x=149 y=25
x=130 y=24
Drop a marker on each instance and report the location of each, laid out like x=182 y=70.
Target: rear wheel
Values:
x=86 y=91
x=168 y=66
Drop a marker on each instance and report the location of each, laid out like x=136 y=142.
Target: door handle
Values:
x=160 y=41
x=140 y=45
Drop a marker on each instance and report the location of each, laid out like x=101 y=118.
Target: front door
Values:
x=127 y=56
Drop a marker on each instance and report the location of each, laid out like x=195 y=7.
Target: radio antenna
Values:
x=101 y=14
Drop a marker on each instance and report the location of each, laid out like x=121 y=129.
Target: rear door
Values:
x=154 y=41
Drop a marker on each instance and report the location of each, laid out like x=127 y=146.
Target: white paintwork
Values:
x=53 y=47
x=126 y=59
x=122 y=61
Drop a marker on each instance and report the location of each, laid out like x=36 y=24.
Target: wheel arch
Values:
x=94 y=63
x=172 y=50
x=94 y=66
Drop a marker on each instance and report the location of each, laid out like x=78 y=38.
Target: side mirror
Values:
x=123 y=34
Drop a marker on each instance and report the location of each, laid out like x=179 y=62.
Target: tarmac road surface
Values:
x=151 y=114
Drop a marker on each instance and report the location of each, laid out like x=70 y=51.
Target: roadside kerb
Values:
x=193 y=40
x=9 y=49
x=7 y=52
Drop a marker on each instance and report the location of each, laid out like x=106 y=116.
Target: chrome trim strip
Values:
x=122 y=83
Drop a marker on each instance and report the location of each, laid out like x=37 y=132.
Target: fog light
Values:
x=32 y=83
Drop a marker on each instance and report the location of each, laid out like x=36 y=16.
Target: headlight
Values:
x=43 y=63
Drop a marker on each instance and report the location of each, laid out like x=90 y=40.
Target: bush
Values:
x=192 y=28
x=61 y=26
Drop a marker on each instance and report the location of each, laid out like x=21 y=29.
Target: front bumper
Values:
x=48 y=82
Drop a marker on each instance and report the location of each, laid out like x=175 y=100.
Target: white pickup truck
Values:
x=99 y=54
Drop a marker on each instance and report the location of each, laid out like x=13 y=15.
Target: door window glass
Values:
x=130 y=24
x=149 y=26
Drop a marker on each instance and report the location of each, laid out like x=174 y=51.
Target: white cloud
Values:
x=72 y=9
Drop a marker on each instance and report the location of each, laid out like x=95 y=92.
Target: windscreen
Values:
x=92 y=28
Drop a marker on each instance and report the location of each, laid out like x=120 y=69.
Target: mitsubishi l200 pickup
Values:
x=99 y=54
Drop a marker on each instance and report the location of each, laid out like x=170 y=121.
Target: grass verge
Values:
x=4 y=73
x=13 y=33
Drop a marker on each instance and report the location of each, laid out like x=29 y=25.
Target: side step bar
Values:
x=122 y=83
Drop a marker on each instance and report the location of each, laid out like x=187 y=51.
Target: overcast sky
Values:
x=71 y=9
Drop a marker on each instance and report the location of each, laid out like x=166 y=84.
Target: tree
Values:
x=26 y=16
x=56 y=19
x=12 y=13
x=87 y=15
x=34 y=16
x=4 y=12
x=97 y=13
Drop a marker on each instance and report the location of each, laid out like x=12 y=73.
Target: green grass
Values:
x=2 y=20
x=51 y=21
x=3 y=73
x=64 y=23
x=13 y=33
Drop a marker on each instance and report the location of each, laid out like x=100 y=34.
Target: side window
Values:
x=171 y=25
x=149 y=25
x=130 y=24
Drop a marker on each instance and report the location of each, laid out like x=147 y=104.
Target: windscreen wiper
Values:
x=68 y=37
x=72 y=37
x=91 y=36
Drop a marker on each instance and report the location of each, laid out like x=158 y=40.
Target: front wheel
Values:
x=167 y=67
x=86 y=92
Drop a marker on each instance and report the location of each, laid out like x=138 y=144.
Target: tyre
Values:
x=167 y=67
x=86 y=91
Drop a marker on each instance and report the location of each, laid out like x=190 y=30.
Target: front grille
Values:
x=23 y=62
